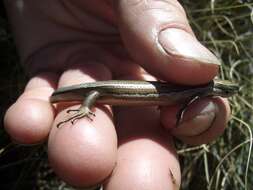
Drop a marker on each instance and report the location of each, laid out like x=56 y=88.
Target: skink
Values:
x=136 y=93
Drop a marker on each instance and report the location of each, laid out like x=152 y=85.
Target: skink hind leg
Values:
x=84 y=110
x=80 y=113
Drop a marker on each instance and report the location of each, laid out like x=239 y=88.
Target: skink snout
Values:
x=225 y=88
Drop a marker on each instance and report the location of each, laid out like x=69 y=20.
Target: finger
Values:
x=158 y=36
x=29 y=119
x=83 y=154
x=203 y=121
x=146 y=156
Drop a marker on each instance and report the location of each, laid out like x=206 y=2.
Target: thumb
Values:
x=158 y=36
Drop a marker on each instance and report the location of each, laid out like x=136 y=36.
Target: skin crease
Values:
x=69 y=42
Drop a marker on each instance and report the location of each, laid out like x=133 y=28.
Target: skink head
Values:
x=224 y=88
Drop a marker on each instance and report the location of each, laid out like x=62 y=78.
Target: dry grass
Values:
x=225 y=27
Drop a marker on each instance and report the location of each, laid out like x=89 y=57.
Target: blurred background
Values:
x=226 y=28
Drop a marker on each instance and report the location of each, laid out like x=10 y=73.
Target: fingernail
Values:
x=178 y=42
x=199 y=121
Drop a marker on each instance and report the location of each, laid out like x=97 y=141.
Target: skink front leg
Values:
x=180 y=113
x=84 y=110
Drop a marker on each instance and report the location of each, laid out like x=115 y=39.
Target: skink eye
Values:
x=228 y=92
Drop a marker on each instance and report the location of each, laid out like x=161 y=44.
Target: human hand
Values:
x=69 y=42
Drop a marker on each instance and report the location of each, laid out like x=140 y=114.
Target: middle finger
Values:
x=146 y=156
